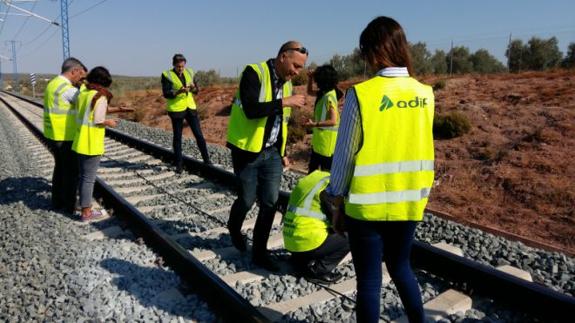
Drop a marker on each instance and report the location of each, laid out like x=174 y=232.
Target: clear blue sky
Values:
x=133 y=37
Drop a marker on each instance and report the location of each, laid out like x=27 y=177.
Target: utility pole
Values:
x=15 y=67
x=509 y=54
x=2 y=57
x=451 y=59
x=65 y=31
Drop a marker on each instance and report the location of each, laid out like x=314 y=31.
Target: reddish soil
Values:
x=513 y=171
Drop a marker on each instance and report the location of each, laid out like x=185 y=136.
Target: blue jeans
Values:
x=259 y=177
x=370 y=243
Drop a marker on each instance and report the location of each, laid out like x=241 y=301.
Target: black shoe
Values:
x=179 y=169
x=326 y=279
x=239 y=241
x=265 y=262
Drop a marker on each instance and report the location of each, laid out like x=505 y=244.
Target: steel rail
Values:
x=528 y=296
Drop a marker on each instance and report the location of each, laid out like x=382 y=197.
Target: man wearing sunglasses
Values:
x=257 y=136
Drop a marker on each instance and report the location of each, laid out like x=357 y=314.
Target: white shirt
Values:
x=100 y=109
x=71 y=94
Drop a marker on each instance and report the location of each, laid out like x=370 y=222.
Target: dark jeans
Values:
x=65 y=175
x=191 y=116
x=325 y=257
x=372 y=241
x=259 y=178
x=316 y=161
x=88 y=169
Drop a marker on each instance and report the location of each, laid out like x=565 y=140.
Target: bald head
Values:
x=290 y=60
x=291 y=46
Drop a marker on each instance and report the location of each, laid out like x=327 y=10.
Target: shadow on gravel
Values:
x=34 y=192
x=155 y=287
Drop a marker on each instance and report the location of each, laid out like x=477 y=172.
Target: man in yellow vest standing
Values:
x=257 y=136
x=178 y=87
x=59 y=129
x=316 y=249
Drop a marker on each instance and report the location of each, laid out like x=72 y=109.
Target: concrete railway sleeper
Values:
x=183 y=216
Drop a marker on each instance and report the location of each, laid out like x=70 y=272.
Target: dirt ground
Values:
x=513 y=171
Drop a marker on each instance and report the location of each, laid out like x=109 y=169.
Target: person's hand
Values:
x=111 y=123
x=338 y=222
x=286 y=162
x=332 y=206
x=297 y=101
x=309 y=123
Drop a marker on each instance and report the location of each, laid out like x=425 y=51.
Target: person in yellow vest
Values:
x=257 y=137
x=92 y=105
x=316 y=249
x=179 y=87
x=59 y=129
x=383 y=169
x=325 y=116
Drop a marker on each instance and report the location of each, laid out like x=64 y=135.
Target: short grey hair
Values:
x=71 y=63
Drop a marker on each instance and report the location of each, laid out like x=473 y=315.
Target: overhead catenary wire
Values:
x=25 y=22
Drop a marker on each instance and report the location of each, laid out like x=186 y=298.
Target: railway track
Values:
x=183 y=218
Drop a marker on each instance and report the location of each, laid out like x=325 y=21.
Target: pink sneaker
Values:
x=94 y=214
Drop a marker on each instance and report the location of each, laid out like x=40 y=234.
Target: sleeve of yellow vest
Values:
x=249 y=94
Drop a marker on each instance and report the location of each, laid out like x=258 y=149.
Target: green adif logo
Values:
x=386 y=103
x=415 y=102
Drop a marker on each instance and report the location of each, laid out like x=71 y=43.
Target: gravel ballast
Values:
x=49 y=271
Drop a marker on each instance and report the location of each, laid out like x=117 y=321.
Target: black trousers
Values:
x=316 y=161
x=191 y=116
x=65 y=175
x=324 y=258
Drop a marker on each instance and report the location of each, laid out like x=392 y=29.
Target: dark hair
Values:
x=326 y=78
x=70 y=63
x=383 y=44
x=100 y=75
x=178 y=58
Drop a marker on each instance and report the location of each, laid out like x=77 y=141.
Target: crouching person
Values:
x=316 y=249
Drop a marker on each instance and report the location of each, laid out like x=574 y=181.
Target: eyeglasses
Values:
x=301 y=50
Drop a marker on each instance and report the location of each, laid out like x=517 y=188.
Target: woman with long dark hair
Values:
x=382 y=169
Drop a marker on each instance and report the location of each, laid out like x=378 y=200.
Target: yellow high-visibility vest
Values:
x=248 y=134
x=181 y=101
x=393 y=171
x=324 y=138
x=305 y=226
x=89 y=139
x=59 y=114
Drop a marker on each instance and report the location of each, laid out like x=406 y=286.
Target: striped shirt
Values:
x=350 y=127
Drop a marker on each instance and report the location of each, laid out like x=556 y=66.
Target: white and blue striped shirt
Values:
x=349 y=136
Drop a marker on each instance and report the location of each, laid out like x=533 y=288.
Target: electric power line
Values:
x=25 y=22
x=88 y=9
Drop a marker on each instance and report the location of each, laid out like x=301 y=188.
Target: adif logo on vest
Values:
x=386 y=103
x=416 y=102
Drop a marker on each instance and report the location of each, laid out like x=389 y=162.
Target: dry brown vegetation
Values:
x=513 y=171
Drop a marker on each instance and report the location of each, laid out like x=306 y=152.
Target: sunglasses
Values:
x=301 y=50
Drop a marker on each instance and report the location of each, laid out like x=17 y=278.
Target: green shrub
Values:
x=439 y=85
x=450 y=125
x=295 y=125
x=300 y=79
